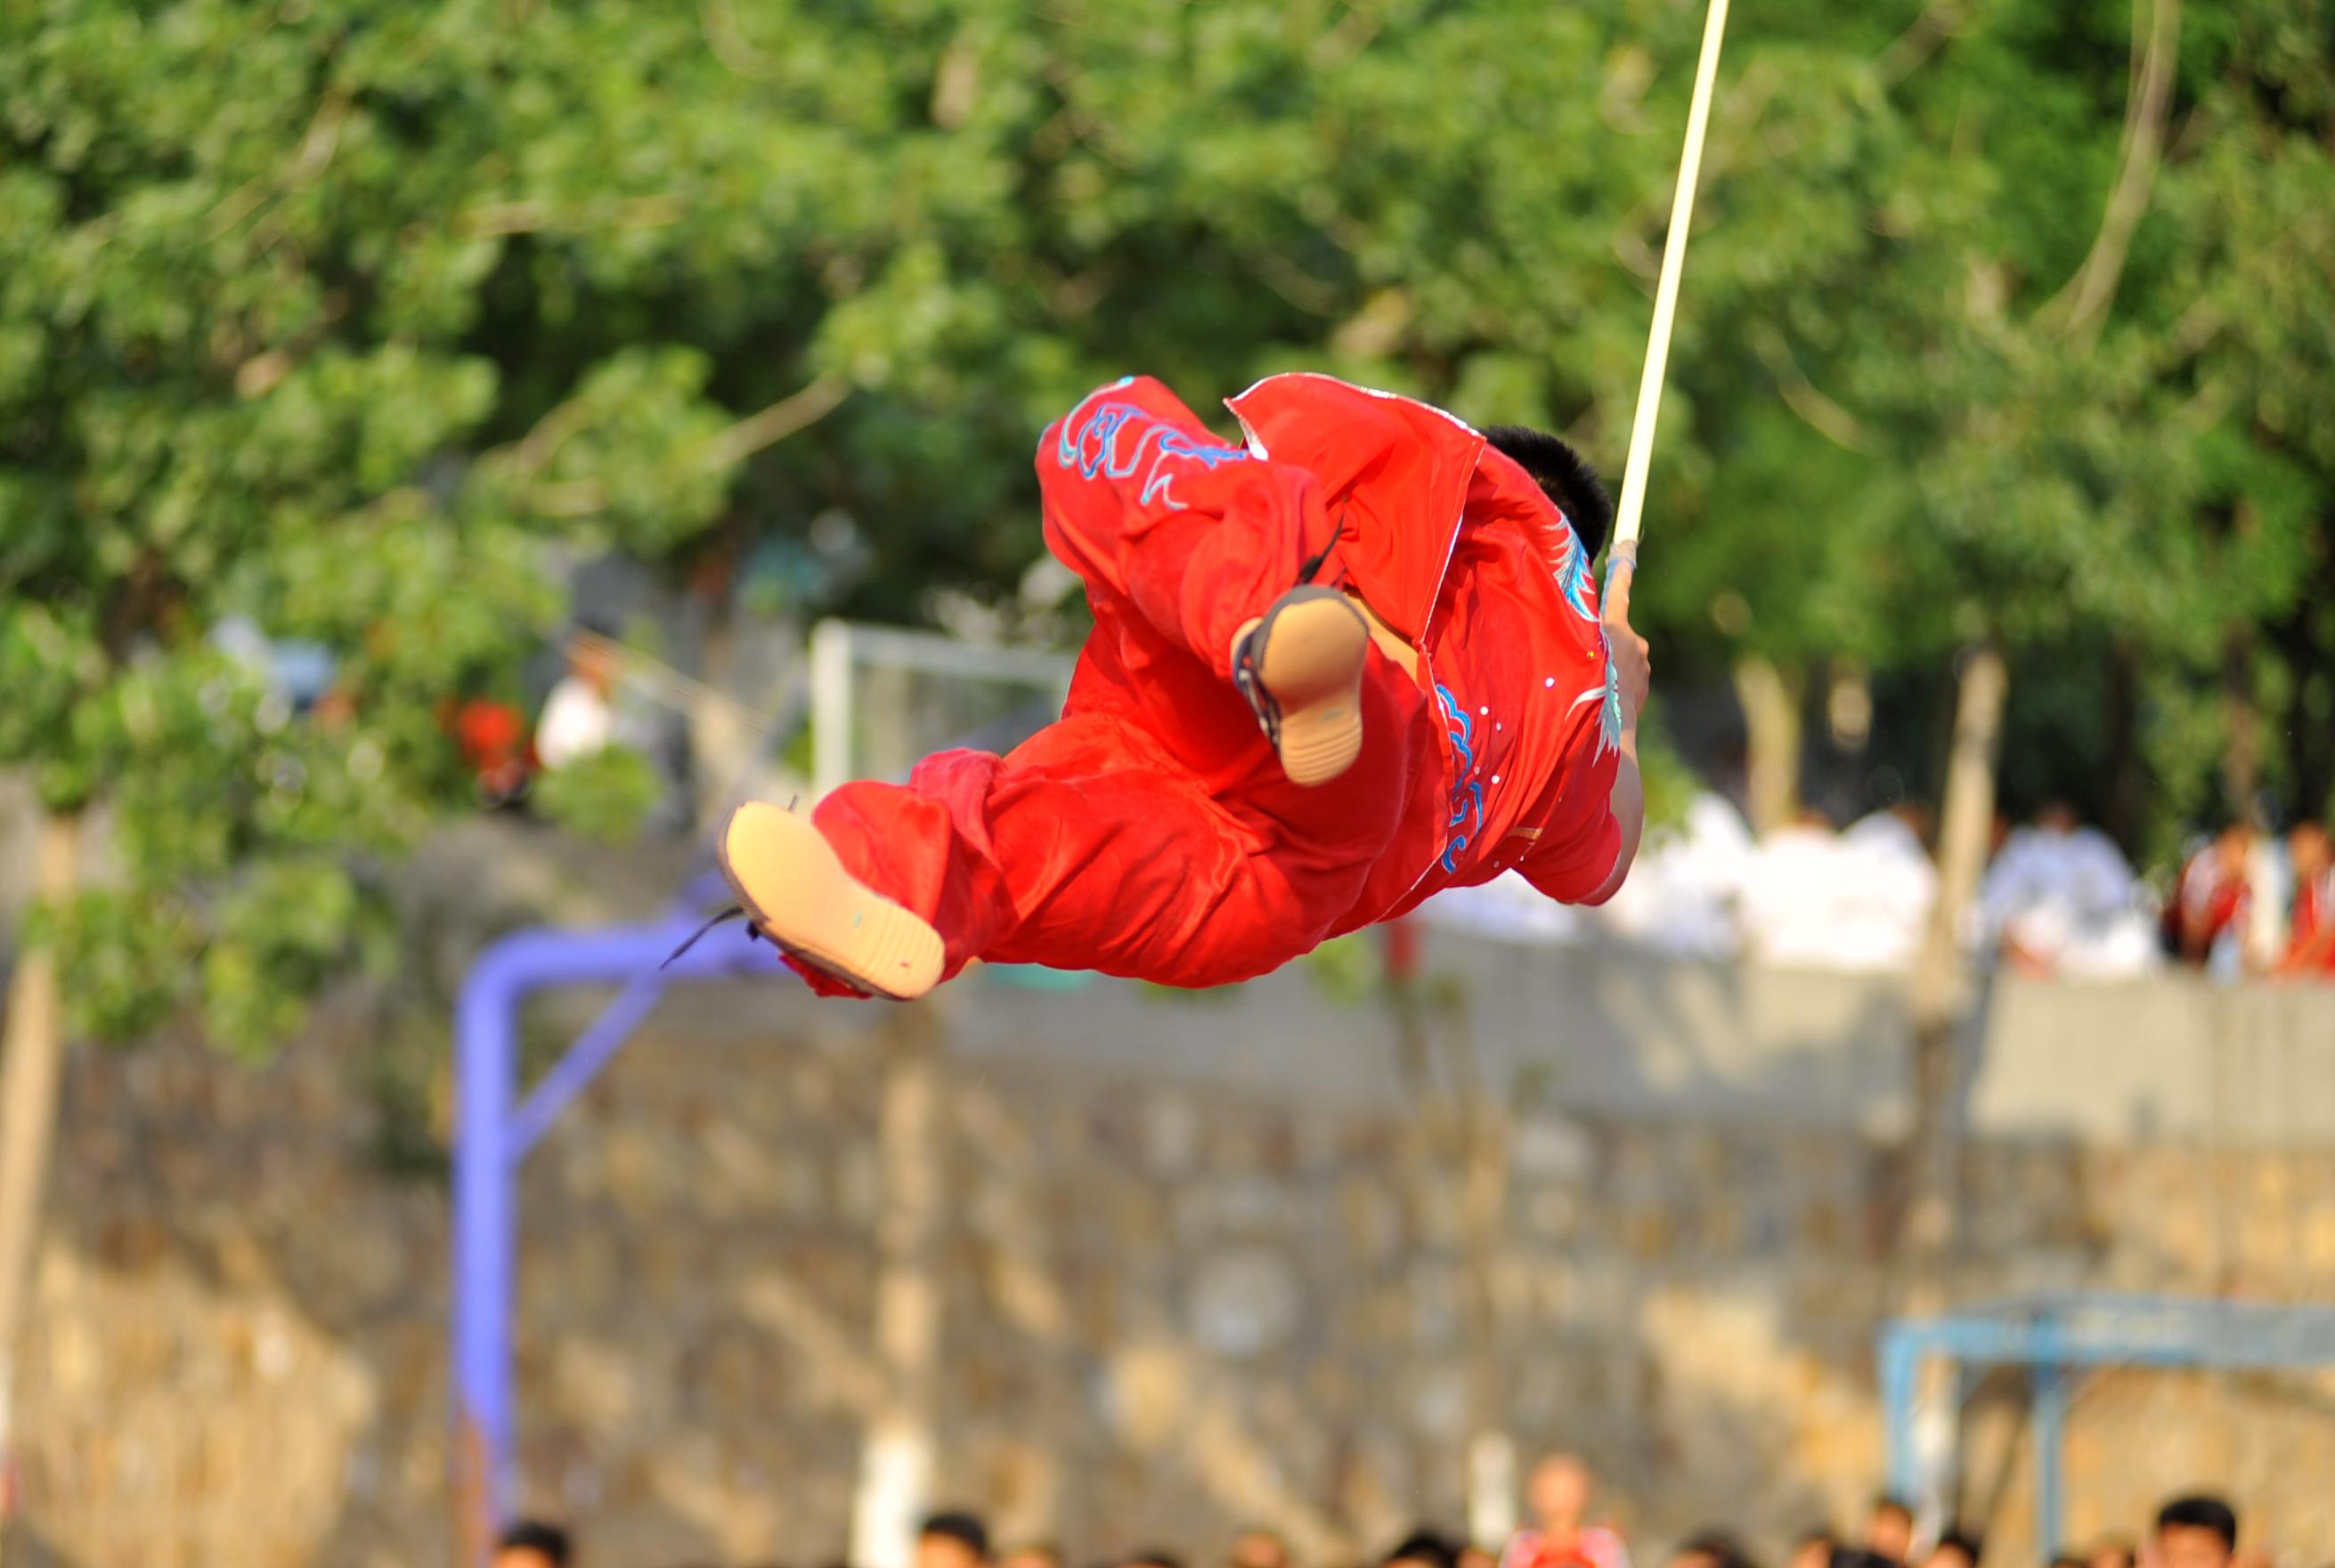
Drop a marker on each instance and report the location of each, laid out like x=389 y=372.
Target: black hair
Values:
x=1720 y=1546
x=1966 y=1542
x=1155 y=1558
x=1425 y=1546
x=535 y=1535
x=2201 y=1513
x=1564 y=475
x=965 y=1528
x=1861 y=1557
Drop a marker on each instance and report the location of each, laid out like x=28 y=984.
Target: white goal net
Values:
x=882 y=698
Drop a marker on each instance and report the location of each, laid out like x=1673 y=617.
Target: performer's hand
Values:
x=1633 y=678
x=1632 y=671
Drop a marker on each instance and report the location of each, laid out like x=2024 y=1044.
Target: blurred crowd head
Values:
x=2198 y=1530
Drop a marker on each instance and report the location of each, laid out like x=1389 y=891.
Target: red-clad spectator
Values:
x=2212 y=895
x=493 y=739
x=2311 y=932
x=1560 y=1494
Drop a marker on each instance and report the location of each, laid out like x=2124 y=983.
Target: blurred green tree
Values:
x=248 y=262
x=2009 y=328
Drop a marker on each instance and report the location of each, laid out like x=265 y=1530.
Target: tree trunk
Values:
x=896 y=1458
x=1457 y=1138
x=1771 y=742
x=1941 y=977
x=1481 y=1155
x=720 y=746
x=32 y=1067
x=1941 y=995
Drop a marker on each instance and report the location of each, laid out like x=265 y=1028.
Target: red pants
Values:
x=1149 y=832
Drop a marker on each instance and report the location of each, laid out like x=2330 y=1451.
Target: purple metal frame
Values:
x=497 y=1130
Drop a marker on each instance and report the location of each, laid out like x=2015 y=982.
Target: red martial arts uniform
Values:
x=1151 y=831
x=2314 y=913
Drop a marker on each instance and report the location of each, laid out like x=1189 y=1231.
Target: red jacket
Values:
x=1461 y=554
x=1152 y=831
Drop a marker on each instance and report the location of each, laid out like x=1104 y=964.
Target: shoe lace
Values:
x=1250 y=683
x=753 y=934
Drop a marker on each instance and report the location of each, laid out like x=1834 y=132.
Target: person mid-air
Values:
x=1355 y=662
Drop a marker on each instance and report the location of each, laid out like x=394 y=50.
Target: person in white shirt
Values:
x=2061 y=899
x=1684 y=897
x=579 y=717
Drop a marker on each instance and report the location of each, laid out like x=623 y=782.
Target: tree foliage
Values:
x=332 y=315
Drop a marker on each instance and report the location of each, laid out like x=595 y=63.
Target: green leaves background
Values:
x=334 y=315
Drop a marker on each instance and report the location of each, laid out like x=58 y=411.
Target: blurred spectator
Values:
x=1511 y=909
x=2061 y=899
x=493 y=737
x=1893 y=883
x=1685 y=895
x=1032 y=1554
x=1474 y=1556
x=1258 y=1548
x=1817 y=899
x=952 y=1540
x=2205 y=922
x=1889 y=1529
x=1792 y=894
x=532 y=1543
x=1813 y=1548
x=1957 y=1548
x=1710 y=1549
x=2310 y=925
x=2261 y=937
x=1156 y=1557
x=2111 y=1552
x=2194 y=1531
x=1423 y=1548
x=1560 y=1536
x=579 y=716
x=2069 y=1560
x=592 y=710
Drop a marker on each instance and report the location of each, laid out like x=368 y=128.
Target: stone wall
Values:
x=1196 y=1263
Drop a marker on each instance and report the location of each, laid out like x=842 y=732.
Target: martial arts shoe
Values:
x=795 y=890
x=1301 y=668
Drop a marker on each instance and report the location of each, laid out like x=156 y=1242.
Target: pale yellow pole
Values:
x=1621 y=564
